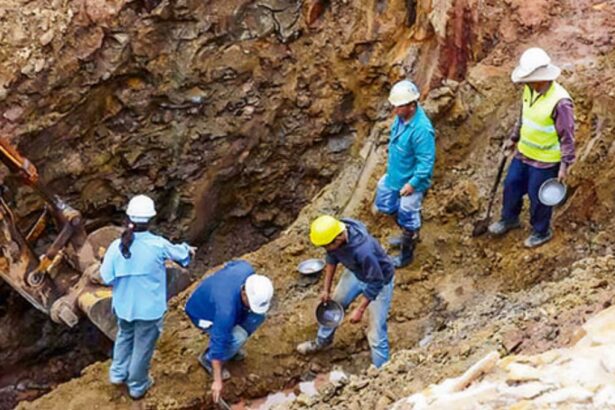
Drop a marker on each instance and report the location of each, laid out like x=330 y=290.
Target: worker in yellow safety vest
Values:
x=544 y=141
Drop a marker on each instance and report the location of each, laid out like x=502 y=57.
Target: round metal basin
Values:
x=552 y=192
x=311 y=267
x=329 y=314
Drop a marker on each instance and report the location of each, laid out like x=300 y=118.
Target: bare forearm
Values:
x=329 y=273
x=363 y=303
x=217 y=367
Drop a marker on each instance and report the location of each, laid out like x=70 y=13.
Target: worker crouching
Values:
x=134 y=266
x=368 y=276
x=229 y=306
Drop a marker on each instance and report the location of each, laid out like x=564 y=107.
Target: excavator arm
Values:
x=16 y=163
x=60 y=279
x=53 y=278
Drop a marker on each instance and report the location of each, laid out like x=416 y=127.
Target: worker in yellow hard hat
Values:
x=368 y=275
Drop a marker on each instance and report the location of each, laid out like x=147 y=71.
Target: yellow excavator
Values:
x=60 y=280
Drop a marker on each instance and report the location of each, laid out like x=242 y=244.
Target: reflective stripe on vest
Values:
x=539 y=140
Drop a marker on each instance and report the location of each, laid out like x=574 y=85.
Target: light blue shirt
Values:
x=412 y=153
x=140 y=282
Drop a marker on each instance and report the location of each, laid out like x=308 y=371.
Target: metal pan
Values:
x=552 y=192
x=329 y=314
x=311 y=267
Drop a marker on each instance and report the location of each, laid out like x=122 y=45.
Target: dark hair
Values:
x=128 y=237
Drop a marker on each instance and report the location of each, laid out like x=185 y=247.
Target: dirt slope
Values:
x=462 y=296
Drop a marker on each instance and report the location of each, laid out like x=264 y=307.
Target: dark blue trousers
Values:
x=525 y=179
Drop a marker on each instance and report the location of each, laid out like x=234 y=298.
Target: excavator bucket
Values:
x=96 y=302
x=59 y=282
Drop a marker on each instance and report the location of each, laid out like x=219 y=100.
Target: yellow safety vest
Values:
x=539 y=140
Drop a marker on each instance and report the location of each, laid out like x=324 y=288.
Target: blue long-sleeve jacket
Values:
x=140 y=282
x=412 y=153
x=363 y=256
x=217 y=302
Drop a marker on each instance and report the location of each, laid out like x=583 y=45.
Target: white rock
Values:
x=567 y=394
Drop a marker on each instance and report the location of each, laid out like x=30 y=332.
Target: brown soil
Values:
x=462 y=296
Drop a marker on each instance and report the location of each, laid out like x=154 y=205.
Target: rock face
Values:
x=231 y=114
x=238 y=112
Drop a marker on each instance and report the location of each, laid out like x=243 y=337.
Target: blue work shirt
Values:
x=412 y=153
x=364 y=257
x=140 y=282
x=216 y=305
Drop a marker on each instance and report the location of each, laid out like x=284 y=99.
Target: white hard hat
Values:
x=535 y=65
x=140 y=209
x=403 y=92
x=259 y=290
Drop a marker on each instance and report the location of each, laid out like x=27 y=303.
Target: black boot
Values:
x=406 y=255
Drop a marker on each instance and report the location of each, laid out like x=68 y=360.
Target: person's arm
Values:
x=375 y=282
x=180 y=253
x=425 y=152
x=218 y=383
x=357 y=314
x=374 y=277
x=514 y=135
x=220 y=339
x=329 y=273
x=330 y=269
x=563 y=115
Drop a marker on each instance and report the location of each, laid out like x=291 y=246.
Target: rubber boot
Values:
x=406 y=254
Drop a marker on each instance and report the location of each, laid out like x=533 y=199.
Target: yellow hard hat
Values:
x=325 y=229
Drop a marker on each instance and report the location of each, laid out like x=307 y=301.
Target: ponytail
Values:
x=128 y=236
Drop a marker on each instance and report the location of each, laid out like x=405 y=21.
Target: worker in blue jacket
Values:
x=135 y=266
x=228 y=305
x=368 y=276
x=412 y=154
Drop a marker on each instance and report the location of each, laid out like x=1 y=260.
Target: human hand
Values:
x=216 y=390
x=563 y=172
x=508 y=146
x=325 y=296
x=192 y=251
x=406 y=190
x=356 y=315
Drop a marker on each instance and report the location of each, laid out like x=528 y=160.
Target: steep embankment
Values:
x=462 y=296
x=231 y=114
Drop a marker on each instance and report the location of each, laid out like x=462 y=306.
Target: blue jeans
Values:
x=347 y=290
x=132 y=354
x=241 y=332
x=407 y=208
x=525 y=179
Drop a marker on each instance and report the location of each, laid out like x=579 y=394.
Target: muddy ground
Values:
x=462 y=296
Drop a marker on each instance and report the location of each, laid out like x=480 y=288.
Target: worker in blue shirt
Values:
x=368 y=276
x=229 y=306
x=134 y=266
x=412 y=154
